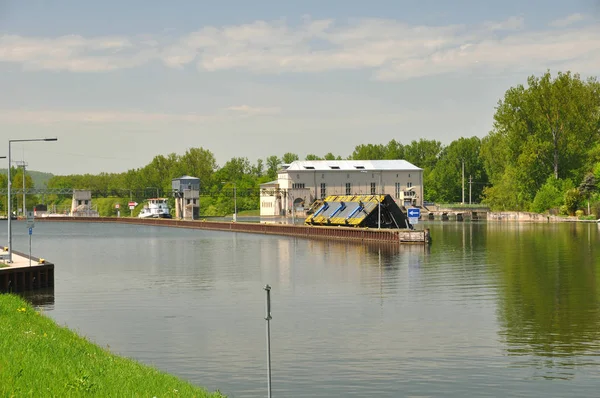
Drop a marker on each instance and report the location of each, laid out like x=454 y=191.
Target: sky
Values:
x=119 y=82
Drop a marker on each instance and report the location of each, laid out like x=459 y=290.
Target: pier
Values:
x=20 y=276
x=400 y=236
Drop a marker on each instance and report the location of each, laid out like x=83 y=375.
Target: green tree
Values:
x=258 y=169
x=587 y=187
x=273 y=163
x=331 y=156
x=310 y=156
x=200 y=163
x=572 y=200
x=546 y=128
x=446 y=179
x=550 y=195
x=368 y=152
x=289 y=157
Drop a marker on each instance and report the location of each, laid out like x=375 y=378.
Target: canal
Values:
x=490 y=309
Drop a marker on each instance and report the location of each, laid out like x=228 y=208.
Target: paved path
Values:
x=18 y=260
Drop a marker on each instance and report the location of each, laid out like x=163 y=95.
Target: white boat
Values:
x=155 y=208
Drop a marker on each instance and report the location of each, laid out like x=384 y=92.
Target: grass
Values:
x=249 y=213
x=38 y=358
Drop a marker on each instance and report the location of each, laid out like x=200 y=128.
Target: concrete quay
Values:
x=19 y=276
x=396 y=236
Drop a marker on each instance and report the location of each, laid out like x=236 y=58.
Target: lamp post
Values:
x=234 y=200
x=9 y=185
x=378 y=199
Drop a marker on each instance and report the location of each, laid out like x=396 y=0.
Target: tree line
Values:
x=542 y=154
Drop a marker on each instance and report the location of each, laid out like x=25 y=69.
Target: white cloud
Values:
x=567 y=21
x=389 y=49
x=247 y=110
x=67 y=116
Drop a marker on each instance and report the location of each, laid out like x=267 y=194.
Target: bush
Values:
x=549 y=196
x=572 y=200
x=579 y=213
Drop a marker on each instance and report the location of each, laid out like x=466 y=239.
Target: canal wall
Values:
x=306 y=231
x=19 y=276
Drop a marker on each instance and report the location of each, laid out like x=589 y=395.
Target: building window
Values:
x=398 y=190
x=188 y=201
x=298 y=186
x=79 y=202
x=348 y=188
x=409 y=184
x=86 y=202
x=298 y=176
x=409 y=176
x=322 y=175
x=194 y=201
x=347 y=175
x=372 y=188
x=323 y=190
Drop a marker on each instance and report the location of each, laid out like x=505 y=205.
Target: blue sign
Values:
x=30 y=231
x=414 y=213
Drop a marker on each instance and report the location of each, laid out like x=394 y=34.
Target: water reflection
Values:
x=40 y=298
x=548 y=303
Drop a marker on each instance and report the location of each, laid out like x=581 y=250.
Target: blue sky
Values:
x=120 y=82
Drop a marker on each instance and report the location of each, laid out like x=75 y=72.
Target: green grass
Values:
x=249 y=213
x=38 y=358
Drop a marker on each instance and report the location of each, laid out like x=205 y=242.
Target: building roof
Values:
x=270 y=183
x=348 y=165
x=186 y=177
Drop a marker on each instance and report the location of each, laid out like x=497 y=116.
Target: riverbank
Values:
x=40 y=358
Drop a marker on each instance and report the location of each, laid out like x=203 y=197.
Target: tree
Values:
x=200 y=163
x=289 y=157
x=587 y=187
x=550 y=195
x=310 y=156
x=259 y=168
x=331 y=156
x=273 y=163
x=547 y=128
x=368 y=152
x=446 y=179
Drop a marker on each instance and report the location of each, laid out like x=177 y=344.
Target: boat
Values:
x=155 y=208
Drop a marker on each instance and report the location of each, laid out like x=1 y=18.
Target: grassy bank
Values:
x=39 y=358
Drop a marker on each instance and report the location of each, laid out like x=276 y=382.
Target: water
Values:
x=489 y=310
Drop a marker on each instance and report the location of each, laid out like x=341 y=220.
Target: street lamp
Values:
x=9 y=185
x=378 y=199
x=234 y=200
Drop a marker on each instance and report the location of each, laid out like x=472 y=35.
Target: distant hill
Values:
x=40 y=179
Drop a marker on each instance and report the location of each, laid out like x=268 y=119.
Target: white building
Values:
x=300 y=183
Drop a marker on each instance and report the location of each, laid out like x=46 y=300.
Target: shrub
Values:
x=579 y=213
x=572 y=200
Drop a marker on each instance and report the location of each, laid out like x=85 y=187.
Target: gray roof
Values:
x=347 y=165
x=186 y=178
x=270 y=183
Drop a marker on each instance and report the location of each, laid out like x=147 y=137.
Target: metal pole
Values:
x=463 y=181
x=9 y=211
x=234 y=203
x=30 y=249
x=24 y=207
x=379 y=204
x=470 y=186
x=268 y=319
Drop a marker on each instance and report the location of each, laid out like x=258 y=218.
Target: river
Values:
x=490 y=309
